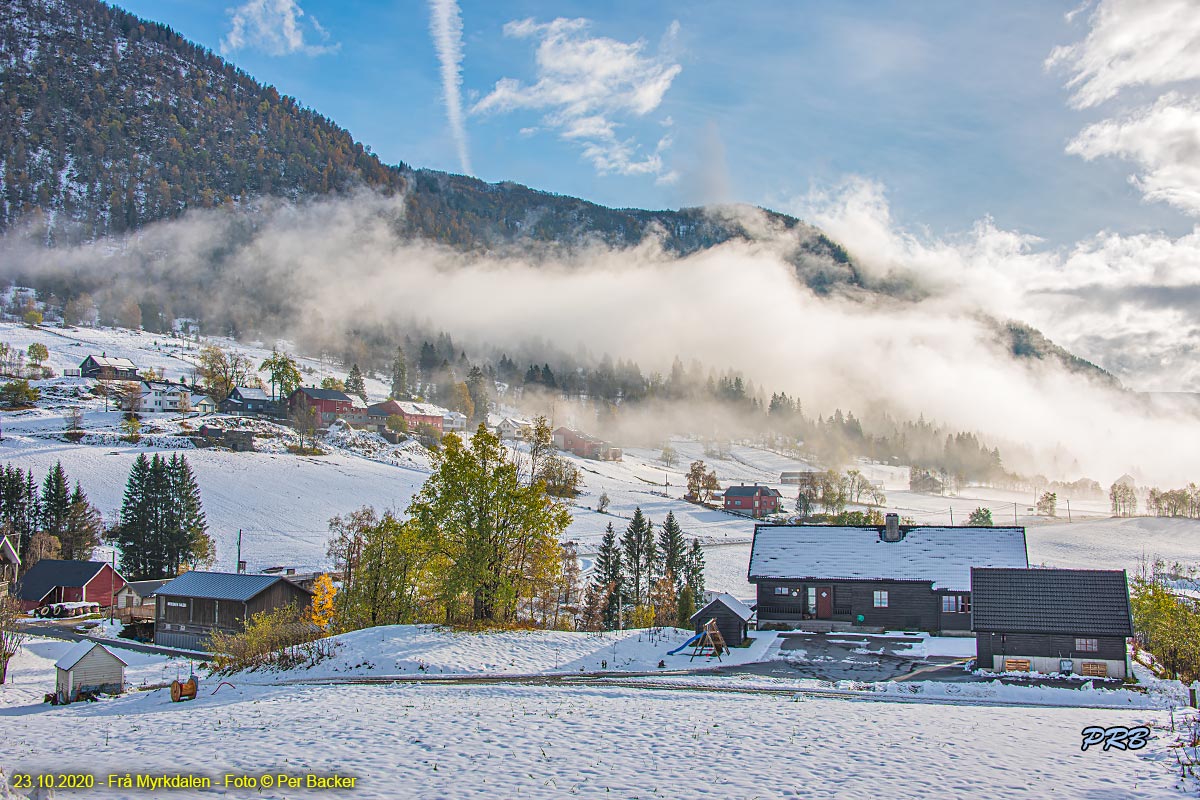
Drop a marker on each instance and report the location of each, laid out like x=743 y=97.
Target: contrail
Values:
x=445 y=23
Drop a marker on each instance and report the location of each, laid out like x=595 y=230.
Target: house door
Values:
x=824 y=602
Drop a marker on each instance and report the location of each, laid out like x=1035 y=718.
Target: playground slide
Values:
x=688 y=643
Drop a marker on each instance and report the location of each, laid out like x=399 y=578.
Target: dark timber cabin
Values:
x=881 y=577
x=191 y=607
x=731 y=614
x=1052 y=620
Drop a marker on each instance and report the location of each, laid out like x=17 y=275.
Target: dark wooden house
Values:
x=103 y=367
x=732 y=617
x=1052 y=620
x=756 y=501
x=53 y=580
x=894 y=577
x=194 y=605
x=250 y=401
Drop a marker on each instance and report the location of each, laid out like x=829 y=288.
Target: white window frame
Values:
x=1087 y=645
x=881 y=598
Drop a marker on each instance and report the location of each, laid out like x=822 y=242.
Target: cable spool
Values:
x=184 y=690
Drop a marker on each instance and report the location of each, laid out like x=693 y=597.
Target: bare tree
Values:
x=12 y=635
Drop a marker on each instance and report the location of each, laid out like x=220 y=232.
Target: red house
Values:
x=585 y=445
x=757 y=501
x=328 y=403
x=53 y=580
x=415 y=414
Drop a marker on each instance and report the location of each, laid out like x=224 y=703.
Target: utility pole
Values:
x=620 y=611
x=1014 y=513
x=951 y=516
x=112 y=601
x=239 y=569
x=1069 y=512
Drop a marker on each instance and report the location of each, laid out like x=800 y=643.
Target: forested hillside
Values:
x=109 y=122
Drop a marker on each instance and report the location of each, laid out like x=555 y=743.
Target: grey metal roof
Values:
x=324 y=394
x=1070 y=601
x=220 y=585
x=50 y=573
x=942 y=555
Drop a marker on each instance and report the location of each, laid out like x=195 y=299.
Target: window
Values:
x=781 y=590
x=812 y=599
x=881 y=600
x=956 y=603
x=1087 y=645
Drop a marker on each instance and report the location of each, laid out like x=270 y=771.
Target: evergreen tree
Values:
x=477 y=387
x=609 y=578
x=19 y=506
x=672 y=549
x=400 y=376
x=693 y=572
x=83 y=527
x=55 y=502
x=162 y=526
x=637 y=547
x=355 y=384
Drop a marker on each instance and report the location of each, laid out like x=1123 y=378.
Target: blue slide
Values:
x=688 y=643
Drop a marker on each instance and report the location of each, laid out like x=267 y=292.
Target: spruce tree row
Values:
x=162 y=528
x=644 y=579
x=53 y=523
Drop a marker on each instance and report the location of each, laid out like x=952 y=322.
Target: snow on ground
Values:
x=436 y=741
x=434 y=650
x=31 y=673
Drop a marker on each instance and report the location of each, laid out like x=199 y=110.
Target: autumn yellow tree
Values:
x=320 y=613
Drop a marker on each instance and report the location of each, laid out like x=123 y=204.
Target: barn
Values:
x=88 y=667
x=892 y=576
x=1052 y=620
x=732 y=617
x=196 y=604
x=53 y=580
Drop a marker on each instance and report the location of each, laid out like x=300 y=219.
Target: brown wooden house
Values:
x=194 y=605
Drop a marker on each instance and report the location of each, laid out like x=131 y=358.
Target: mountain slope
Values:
x=108 y=122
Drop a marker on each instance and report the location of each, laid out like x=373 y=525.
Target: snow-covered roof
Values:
x=732 y=603
x=251 y=393
x=422 y=409
x=79 y=650
x=110 y=361
x=941 y=555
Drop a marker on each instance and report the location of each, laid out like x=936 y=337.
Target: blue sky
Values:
x=947 y=105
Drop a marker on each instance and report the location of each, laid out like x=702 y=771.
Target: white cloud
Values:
x=1142 y=43
x=585 y=86
x=1128 y=303
x=1163 y=138
x=1132 y=43
x=445 y=23
x=277 y=27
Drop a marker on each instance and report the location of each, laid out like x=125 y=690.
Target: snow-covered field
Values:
x=684 y=736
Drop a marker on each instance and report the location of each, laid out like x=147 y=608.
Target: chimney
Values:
x=891 y=528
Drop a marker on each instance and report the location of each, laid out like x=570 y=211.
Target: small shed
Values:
x=732 y=616
x=89 y=667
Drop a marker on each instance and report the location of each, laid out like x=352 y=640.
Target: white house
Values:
x=454 y=421
x=512 y=428
x=203 y=404
x=89 y=667
x=164 y=397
